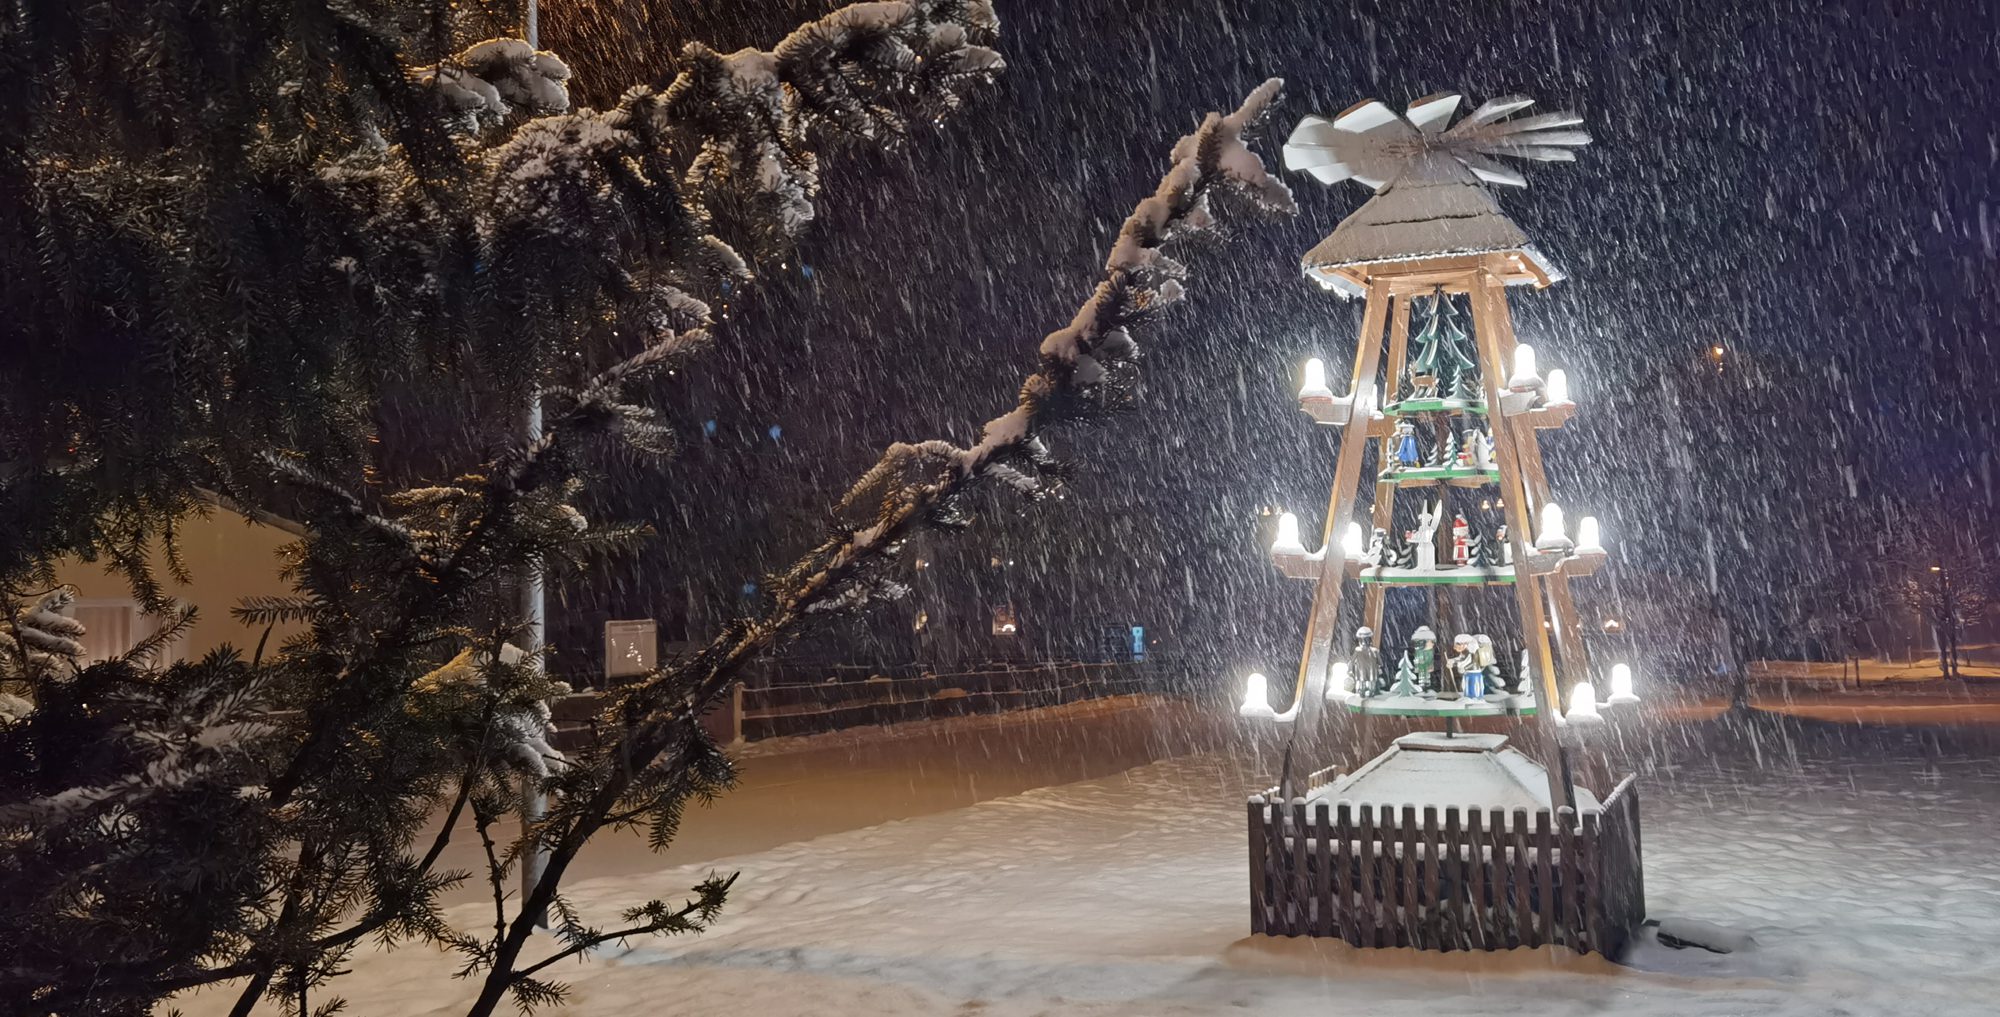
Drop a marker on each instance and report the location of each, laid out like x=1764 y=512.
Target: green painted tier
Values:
x=1496 y=705
x=1433 y=404
x=1499 y=575
x=1425 y=476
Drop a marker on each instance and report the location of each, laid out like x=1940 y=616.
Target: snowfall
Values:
x=1852 y=870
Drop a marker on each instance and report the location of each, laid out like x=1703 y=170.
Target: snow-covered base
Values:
x=1493 y=705
x=1867 y=881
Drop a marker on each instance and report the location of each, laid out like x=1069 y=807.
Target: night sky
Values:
x=1807 y=185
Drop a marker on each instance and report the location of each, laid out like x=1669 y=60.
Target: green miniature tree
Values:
x=1406 y=678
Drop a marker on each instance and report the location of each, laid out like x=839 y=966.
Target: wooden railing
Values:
x=1466 y=880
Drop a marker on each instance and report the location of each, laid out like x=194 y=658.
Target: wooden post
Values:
x=1316 y=656
x=1384 y=508
x=1489 y=293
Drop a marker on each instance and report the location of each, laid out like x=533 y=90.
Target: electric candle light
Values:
x=1288 y=542
x=1352 y=543
x=1586 y=536
x=1583 y=705
x=1525 y=376
x=1621 y=685
x=1557 y=392
x=1552 y=537
x=1256 y=698
x=1336 y=689
x=1315 y=381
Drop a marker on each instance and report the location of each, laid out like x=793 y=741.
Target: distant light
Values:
x=1613 y=625
x=775 y=432
x=1715 y=351
x=1937 y=568
x=708 y=428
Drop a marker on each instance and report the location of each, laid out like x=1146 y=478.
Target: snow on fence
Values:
x=1469 y=880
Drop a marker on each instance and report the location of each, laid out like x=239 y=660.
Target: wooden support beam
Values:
x=1488 y=309
x=1385 y=491
x=1315 y=658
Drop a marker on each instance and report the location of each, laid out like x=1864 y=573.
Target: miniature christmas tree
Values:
x=1406 y=678
x=1444 y=454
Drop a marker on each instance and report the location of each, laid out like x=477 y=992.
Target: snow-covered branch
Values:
x=1087 y=368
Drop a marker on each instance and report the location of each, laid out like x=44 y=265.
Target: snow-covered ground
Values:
x=1863 y=864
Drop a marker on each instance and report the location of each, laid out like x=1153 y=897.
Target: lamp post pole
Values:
x=534 y=801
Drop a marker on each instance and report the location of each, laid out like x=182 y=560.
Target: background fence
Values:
x=846 y=698
x=1474 y=881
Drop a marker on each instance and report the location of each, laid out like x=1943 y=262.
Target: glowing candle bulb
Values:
x=1525 y=376
x=1315 y=381
x=1352 y=543
x=1256 y=698
x=1557 y=392
x=1583 y=705
x=1552 y=537
x=1586 y=536
x=1288 y=536
x=1336 y=689
x=1621 y=685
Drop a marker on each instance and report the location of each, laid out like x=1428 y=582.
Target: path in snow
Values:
x=1863 y=865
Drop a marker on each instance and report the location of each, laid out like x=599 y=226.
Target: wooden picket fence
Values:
x=1469 y=880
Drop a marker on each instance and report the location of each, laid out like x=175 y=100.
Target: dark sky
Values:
x=1807 y=184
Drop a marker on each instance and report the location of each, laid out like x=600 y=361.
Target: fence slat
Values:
x=1344 y=908
x=1323 y=903
x=1568 y=876
x=1545 y=879
x=1448 y=892
x=1481 y=930
x=1591 y=860
x=1257 y=891
x=1432 y=906
x=1364 y=909
x=1301 y=923
x=1409 y=887
x=1524 y=901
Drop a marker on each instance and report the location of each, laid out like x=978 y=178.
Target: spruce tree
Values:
x=238 y=245
x=238 y=242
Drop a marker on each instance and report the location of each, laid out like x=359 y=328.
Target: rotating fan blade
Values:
x=1538 y=122
x=1373 y=116
x=1491 y=171
x=1539 y=153
x=1430 y=113
x=1491 y=110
